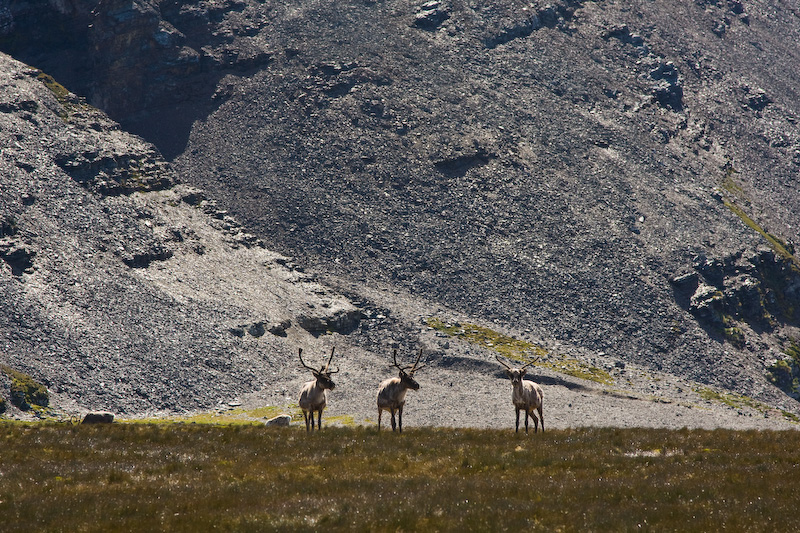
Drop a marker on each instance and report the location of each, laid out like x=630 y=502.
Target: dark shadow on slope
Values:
x=168 y=127
x=457 y=167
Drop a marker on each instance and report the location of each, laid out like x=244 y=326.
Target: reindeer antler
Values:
x=394 y=358
x=414 y=367
x=410 y=368
x=325 y=369
x=526 y=365
x=300 y=354
x=502 y=362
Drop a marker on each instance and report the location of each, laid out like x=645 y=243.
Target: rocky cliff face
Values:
x=616 y=177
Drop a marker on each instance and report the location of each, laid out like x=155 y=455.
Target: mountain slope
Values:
x=556 y=181
x=611 y=179
x=122 y=289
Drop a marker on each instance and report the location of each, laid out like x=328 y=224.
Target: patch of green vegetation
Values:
x=790 y=416
x=518 y=350
x=26 y=393
x=729 y=183
x=739 y=402
x=735 y=191
x=506 y=346
x=781 y=374
x=779 y=246
x=209 y=477
x=793 y=351
x=339 y=420
x=785 y=373
x=734 y=335
x=62 y=94
x=731 y=400
x=59 y=91
x=573 y=367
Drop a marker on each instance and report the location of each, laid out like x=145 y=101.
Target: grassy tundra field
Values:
x=199 y=477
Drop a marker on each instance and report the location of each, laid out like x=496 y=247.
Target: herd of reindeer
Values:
x=525 y=394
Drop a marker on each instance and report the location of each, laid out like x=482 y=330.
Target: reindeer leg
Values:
x=535 y=422
x=305 y=417
x=526 y=421
x=400 y=418
x=394 y=424
x=517 y=420
x=319 y=419
x=380 y=411
x=541 y=417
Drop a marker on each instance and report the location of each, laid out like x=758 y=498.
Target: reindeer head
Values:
x=407 y=372
x=514 y=374
x=323 y=375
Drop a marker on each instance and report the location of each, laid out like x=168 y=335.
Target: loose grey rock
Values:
x=98 y=417
x=279 y=421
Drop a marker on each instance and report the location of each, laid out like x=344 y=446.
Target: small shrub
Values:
x=734 y=336
x=793 y=351
x=25 y=391
x=8 y=226
x=780 y=373
x=785 y=373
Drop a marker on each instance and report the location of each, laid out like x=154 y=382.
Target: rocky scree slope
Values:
x=122 y=289
x=617 y=176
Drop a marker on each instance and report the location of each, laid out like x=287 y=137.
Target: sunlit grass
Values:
x=231 y=416
x=197 y=477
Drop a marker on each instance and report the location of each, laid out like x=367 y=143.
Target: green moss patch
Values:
x=779 y=246
x=737 y=401
x=62 y=94
x=735 y=191
x=519 y=350
x=785 y=373
x=26 y=393
x=243 y=417
x=58 y=90
x=735 y=336
x=504 y=345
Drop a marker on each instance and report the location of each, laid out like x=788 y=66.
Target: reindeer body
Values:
x=526 y=395
x=392 y=393
x=314 y=398
x=314 y=394
x=392 y=398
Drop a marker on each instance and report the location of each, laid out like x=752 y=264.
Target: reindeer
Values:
x=392 y=391
x=314 y=395
x=526 y=395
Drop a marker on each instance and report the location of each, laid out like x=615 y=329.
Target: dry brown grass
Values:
x=199 y=477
